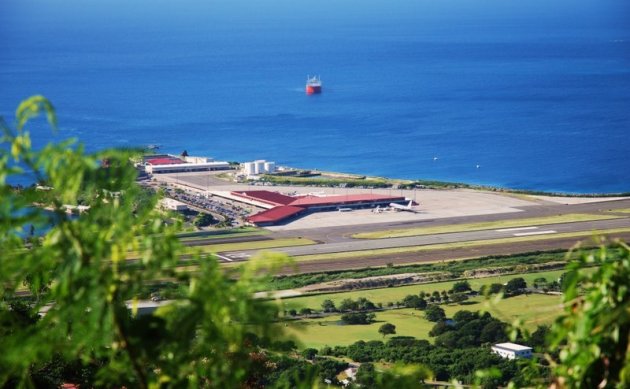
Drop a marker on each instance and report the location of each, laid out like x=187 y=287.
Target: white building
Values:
x=186 y=167
x=173 y=205
x=190 y=159
x=512 y=350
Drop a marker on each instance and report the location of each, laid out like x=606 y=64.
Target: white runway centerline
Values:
x=516 y=229
x=535 y=233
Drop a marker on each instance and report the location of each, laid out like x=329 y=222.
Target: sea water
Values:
x=529 y=96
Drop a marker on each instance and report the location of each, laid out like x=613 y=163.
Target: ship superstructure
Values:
x=313 y=85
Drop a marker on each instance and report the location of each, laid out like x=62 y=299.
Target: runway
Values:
x=374 y=244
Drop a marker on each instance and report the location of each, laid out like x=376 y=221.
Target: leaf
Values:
x=32 y=107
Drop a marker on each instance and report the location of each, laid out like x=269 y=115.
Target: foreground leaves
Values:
x=80 y=274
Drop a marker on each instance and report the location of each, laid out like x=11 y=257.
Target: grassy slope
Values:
x=577 y=217
x=385 y=295
x=532 y=309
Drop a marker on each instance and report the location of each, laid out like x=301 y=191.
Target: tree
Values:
x=357 y=318
x=328 y=306
x=538 y=338
x=461 y=287
x=364 y=304
x=387 y=329
x=84 y=261
x=309 y=353
x=434 y=313
x=540 y=282
x=366 y=375
x=305 y=311
x=491 y=289
x=593 y=333
x=515 y=285
x=348 y=305
x=413 y=301
x=203 y=220
x=459 y=297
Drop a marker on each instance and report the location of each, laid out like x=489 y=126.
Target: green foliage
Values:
x=80 y=272
x=441 y=363
x=499 y=264
x=203 y=220
x=434 y=313
x=330 y=182
x=366 y=375
x=491 y=289
x=362 y=304
x=309 y=353
x=593 y=333
x=515 y=286
x=461 y=287
x=469 y=329
x=387 y=329
x=328 y=306
x=357 y=318
x=414 y=301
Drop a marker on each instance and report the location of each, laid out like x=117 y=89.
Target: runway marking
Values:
x=223 y=257
x=234 y=256
x=535 y=233
x=516 y=229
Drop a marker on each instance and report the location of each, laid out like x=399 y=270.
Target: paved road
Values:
x=371 y=244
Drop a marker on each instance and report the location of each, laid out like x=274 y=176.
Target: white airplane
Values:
x=406 y=208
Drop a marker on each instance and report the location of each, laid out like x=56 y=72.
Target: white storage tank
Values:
x=259 y=166
x=249 y=168
x=270 y=167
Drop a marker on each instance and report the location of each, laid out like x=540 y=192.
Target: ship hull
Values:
x=313 y=89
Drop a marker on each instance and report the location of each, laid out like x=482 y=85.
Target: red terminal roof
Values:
x=275 y=214
x=310 y=201
x=164 y=161
x=286 y=206
x=265 y=196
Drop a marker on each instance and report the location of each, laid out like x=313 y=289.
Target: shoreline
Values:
x=438 y=184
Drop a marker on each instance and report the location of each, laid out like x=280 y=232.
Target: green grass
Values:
x=255 y=245
x=385 y=295
x=455 y=245
x=327 y=181
x=223 y=236
x=523 y=263
x=532 y=309
x=622 y=210
x=575 y=217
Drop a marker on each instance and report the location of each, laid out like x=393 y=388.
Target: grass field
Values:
x=455 y=245
x=622 y=210
x=385 y=295
x=532 y=309
x=576 y=217
x=255 y=245
x=202 y=235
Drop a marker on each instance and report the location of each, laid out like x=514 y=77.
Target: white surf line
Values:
x=224 y=257
x=516 y=229
x=535 y=233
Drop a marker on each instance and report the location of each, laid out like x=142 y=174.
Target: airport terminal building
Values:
x=283 y=208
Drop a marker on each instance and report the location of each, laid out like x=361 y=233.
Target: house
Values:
x=512 y=350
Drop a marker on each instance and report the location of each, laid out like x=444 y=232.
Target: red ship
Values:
x=313 y=85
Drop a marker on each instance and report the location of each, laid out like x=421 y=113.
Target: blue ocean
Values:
x=526 y=95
